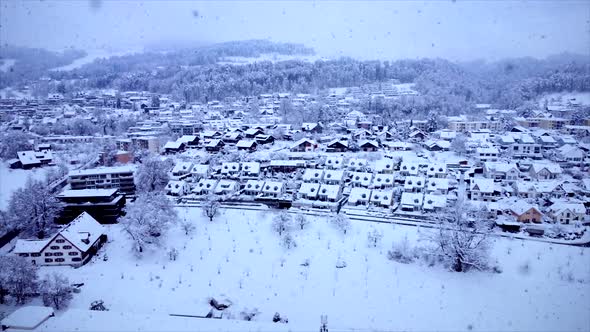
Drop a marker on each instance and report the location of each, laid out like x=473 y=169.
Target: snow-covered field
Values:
x=581 y=97
x=91 y=56
x=237 y=256
x=12 y=179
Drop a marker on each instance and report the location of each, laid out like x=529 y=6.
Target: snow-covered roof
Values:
x=245 y=143
x=364 y=143
x=29 y=246
x=27 y=157
x=313 y=174
x=363 y=178
x=27 y=318
x=414 y=182
x=206 y=184
x=182 y=167
x=411 y=167
x=562 y=206
x=103 y=170
x=334 y=161
x=434 y=201
x=411 y=199
x=254 y=185
x=226 y=185
x=227 y=167
x=500 y=167
x=309 y=189
x=186 y=138
x=520 y=207
x=384 y=164
x=437 y=184
x=334 y=141
x=288 y=163
x=382 y=197
x=487 y=150
x=83 y=231
x=173 y=145
x=200 y=169
x=329 y=190
x=436 y=168
x=333 y=175
x=483 y=185
x=547 y=139
x=356 y=163
x=302 y=141
x=175 y=186
x=213 y=143
x=383 y=179
x=359 y=195
x=252 y=167
x=273 y=187
x=551 y=167
x=87 y=193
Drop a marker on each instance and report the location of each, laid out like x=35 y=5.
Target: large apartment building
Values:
x=120 y=177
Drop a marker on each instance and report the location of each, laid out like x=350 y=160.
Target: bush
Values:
x=401 y=252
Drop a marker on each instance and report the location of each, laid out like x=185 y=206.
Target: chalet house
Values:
x=312 y=127
x=313 y=175
x=334 y=177
x=205 y=187
x=545 y=171
x=411 y=201
x=251 y=169
x=483 y=190
x=190 y=141
x=226 y=187
x=385 y=136
x=567 y=212
x=503 y=172
x=253 y=187
x=273 y=189
x=362 y=134
x=524 y=212
x=104 y=205
x=211 y=134
x=432 y=145
x=381 y=198
x=337 y=146
x=253 y=132
x=177 y=188
x=233 y=137
x=359 y=196
x=304 y=145
x=73 y=245
x=247 y=145
x=571 y=155
x=31 y=159
x=264 y=139
x=417 y=135
x=361 y=179
x=329 y=192
x=309 y=191
x=368 y=146
x=334 y=162
x=174 y=147
x=214 y=145
x=182 y=169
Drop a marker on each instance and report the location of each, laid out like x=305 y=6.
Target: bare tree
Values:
x=56 y=291
x=301 y=220
x=211 y=206
x=188 y=227
x=341 y=222
x=152 y=174
x=281 y=223
x=374 y=237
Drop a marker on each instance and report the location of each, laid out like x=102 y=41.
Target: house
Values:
x=273 y=189
x=309 y=190
x=205 y=186
x=361 y=179
x=253 y=132
x=565 y=212
x=313 y=175
x=384 y=166
x=414 y=184
x=199 y=172
x=174 y=147
x=232 y=137
x=337 y=146
x=545 y=171
x=362 y=134
x=264 y=139
x=355 y=164
x=28 y=317
x=503 y=172
x=487 y=154
x=304 y=145
x=571 y=155
x=182 y=169
x=104 y=205
x=411 y=201
x=436 y=171
x=286 y=166
x=335 y=177
x=190 y=141
x=359 y=196
x=433 y=145
x=311 y=127
x=433 y=202
x=524 y=212
x=382 y=181
x=73 y=245
x=177 y=188
x=329 y=192
x=397 y=146
x=368 y=145
x=230 y=169
x=214 y=145
x=334 y=162
x=253 y=187
x=247 y=145
x=121 y=177
x=417 y=135
x=382 y=198
x=409 y=168
x=30 y=159
x=437 y=186
x=226 y=187
x=211 y=134
x=251 y=169
x=483 y=190
x=526 y=147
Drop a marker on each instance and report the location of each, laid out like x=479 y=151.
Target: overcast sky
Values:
x=387 y=30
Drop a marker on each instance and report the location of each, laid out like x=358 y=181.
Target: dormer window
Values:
x=416 y=201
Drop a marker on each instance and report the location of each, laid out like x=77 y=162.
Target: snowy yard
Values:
x=13 y=179
x=237 y=256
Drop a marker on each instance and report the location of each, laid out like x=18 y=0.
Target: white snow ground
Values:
x=542 y=287
x=12 y=179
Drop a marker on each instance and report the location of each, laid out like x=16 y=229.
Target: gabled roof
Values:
x=83 y=231
x=246 y=143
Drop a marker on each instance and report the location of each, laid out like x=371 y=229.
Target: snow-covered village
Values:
x=254 y=185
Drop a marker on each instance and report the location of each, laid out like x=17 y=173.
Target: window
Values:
x=76 y=259
x=35 y=255
x=59 y=260
x=67 y=247
x=60 y=241
x=54 y=247
x=23 y=255
x=48 y=254
x=73 y=253
x=48 y=260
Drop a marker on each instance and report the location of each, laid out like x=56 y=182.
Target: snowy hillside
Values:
x=237 y=257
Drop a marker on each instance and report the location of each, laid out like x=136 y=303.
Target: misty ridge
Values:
x=203 y=73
